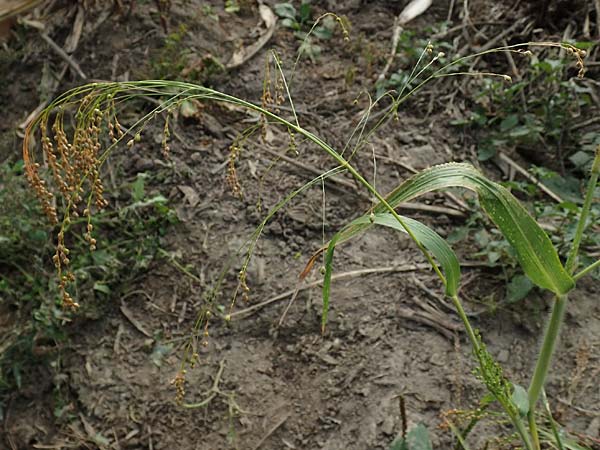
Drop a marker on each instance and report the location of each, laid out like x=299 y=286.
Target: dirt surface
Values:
x=268 y=383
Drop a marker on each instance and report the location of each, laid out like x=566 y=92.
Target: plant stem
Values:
x=516 y=420
x=518 y=423
x=465 y=320
x=558 y=310
x=548 y=346
x=555 y=431
x=587 y=204
x=533 y=430
x=587 y=270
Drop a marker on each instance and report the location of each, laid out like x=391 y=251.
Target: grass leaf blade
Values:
x=534 y=250
x=429 y=238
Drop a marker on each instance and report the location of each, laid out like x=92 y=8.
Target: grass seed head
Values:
x=232 y=177
x=165 y=138
x=73 y=172
x=179 y=383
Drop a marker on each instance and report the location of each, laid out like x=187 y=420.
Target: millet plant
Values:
x=72 y=176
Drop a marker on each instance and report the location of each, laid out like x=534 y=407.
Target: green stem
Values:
x=465 y=320
x=587 y=270
x=587 y=204
x=553 y=425
x=533 y=430
x=548 y=346
x=515 y=419
x=518 y=423
x=558 y=310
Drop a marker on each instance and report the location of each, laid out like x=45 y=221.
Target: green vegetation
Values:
x=174 y=60
x=537 y=110
x=532 y=248
x=129 y=238
x=409 y=51
x=306 y=29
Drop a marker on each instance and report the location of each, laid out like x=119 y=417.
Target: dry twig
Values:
x=340 y=276
x=530 y=177
x=272 y=430
x=347 y=184
x=60 y=52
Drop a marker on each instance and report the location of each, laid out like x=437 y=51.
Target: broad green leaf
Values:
x=581 y=159
x=290 y=23
x=137 y=188
x=100 y=287
x=518 y=288
x=418 y=438
x=399 y=444
x=429 y=238
x=322 y=33
x=285 y=10
x=520 y=399
x=521 y=131
x=534 y=250
x=509 y=122
x=486 y=151
x=304 y=12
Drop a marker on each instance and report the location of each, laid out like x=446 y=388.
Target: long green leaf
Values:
x=429 y=238
x=534 y=250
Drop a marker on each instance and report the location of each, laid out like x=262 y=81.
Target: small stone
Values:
x=503 y=356
x=337 y=343
x=593 y=428
x=197 y=157
x=388 y=425
x=143 y=164
x=436 y=360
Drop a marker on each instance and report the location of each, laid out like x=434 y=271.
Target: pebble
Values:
x=593 y=428
x=503 y=356
x=387 y=427
x=143 y=164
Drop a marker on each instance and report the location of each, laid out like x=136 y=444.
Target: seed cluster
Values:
x=232 y=178
x=179 y=383
x=165 y=138
x=73 y=165
x=244 y=285
x=271 y=98
x=579 y=56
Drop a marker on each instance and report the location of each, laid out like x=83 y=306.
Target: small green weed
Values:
x=232 y=6
x=536 y=111
x=416 y=439
x=409 y=52
x=305 y=28
x=209 y=11
x=238 y=6
x=175 y=60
